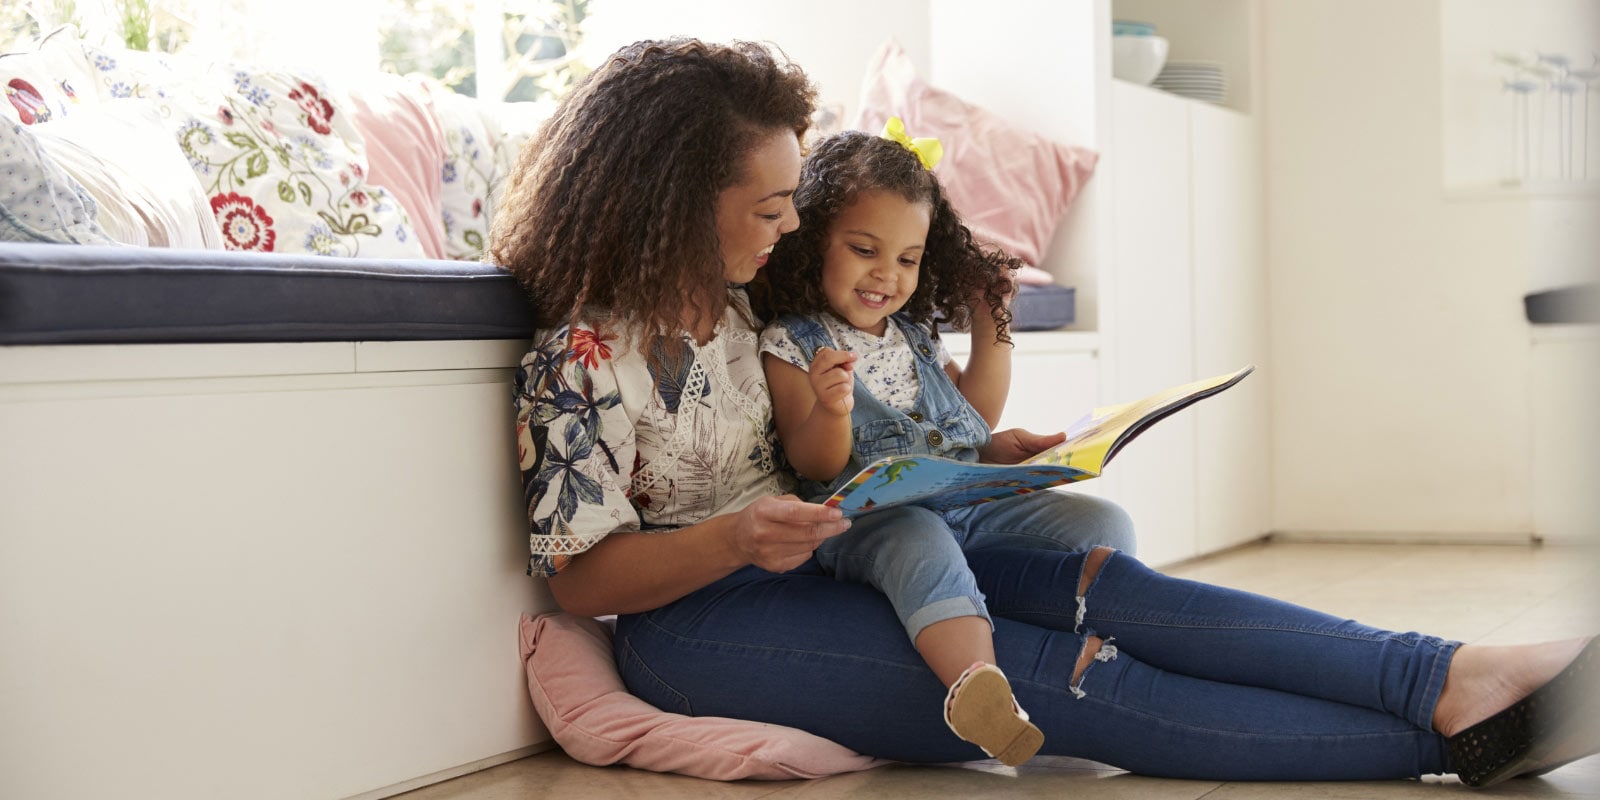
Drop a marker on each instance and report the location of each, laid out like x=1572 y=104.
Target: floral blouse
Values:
x=609 y=441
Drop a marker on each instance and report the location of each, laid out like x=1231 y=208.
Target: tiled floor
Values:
x=1487 y=594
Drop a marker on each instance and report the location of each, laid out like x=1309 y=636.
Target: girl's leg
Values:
x=1216 y=633
x=803 y=650
x=910 y=556
x=1053 y=520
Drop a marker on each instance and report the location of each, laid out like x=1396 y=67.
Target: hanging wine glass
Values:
x=1587 y=76
x=1519 y=89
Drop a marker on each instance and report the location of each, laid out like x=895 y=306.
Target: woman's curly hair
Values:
x=954 y=272
x=612 y=205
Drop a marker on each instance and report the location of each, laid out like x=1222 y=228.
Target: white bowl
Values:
x=1138 y=59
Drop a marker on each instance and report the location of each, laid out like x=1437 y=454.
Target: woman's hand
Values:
x=778 y=534
x=1015 y=444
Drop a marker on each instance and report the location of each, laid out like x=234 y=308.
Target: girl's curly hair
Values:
x=612 y=205
x=955 y=270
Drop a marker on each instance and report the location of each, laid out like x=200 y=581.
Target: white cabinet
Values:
x=1055 y=378
x=1164 y=246
x=1154 y=479
x=1189 y=303
x=1232 y=468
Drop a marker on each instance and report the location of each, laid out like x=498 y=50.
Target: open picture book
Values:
x=942 y=484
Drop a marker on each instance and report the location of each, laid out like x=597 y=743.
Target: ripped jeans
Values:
x=1198 y=682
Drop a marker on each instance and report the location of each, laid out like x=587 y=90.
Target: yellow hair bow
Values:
x=928 y=149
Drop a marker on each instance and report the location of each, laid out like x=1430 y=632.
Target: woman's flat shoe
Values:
x=1554 y=725
x=980 y=709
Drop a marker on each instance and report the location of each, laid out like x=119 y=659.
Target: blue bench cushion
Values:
x=80 y=294
x=72 y=294
x=1043 y=308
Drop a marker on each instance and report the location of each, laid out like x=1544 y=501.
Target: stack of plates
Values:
x=1199 y=80
x=1132 y=27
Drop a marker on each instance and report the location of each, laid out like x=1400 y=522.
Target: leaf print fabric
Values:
x=609 y=439
x=669 y=367
x=570 y=430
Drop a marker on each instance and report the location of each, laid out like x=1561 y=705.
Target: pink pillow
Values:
x=572 y=677
x=405 y=152
x=1011 y=186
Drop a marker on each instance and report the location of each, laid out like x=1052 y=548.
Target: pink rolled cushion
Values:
x=1011 y=186
x=405 y=152
x=573 y=680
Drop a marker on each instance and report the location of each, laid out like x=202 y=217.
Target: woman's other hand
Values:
x=779 y=533
x=1015 y=444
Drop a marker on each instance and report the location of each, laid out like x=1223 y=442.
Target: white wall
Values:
x=831 y=39
x=1402 y=359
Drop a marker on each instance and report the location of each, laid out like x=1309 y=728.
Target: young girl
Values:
x=857 y=373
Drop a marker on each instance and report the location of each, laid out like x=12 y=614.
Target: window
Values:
x=504 y=49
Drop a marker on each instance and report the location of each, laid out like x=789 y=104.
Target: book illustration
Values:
x=942 y=484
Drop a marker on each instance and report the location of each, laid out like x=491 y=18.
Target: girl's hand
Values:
x=1015 y=444
x=833 y=380
x=1008 y=292
x=778 y=534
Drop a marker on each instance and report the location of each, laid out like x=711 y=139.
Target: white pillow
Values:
x=123 y=155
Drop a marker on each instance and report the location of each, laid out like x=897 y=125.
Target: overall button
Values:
x=915 y=416
x=935 y=438
x=926 y=350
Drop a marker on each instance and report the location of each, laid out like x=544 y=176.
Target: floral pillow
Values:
x=469 y=172
x=48 y=82
x=512 y=125
x=276 y=154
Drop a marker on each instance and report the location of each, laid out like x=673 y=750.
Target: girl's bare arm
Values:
x=986 y=382
x=813 y=411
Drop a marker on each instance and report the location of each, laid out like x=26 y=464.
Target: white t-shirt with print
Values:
x=885 y=364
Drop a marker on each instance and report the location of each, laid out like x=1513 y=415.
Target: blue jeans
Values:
x=917 y=558
x=1199 y=682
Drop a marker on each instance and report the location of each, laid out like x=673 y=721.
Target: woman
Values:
x=654 y=491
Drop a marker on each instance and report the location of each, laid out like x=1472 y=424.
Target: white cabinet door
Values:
x=1230 y=327
x=1050 y=388
x=1055 y=378
x=1153 y=321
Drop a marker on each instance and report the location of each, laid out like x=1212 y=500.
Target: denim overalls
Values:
x=917 y=557
x=943 y=423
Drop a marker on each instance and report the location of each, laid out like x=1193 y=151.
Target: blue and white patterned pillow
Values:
x=39 y=202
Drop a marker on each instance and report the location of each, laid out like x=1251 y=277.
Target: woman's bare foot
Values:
x=1484 y=680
